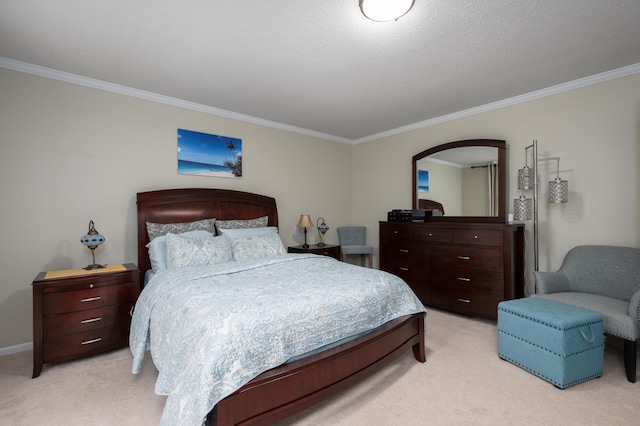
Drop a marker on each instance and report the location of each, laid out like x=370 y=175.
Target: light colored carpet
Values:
x=462 y=382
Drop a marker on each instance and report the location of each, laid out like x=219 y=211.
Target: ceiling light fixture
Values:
x=385 y=10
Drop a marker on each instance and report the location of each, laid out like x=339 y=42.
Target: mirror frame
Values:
x=502 y=179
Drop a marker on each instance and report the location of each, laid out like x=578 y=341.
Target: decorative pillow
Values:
x=158 y=248
x=159 y=229
x=187 y=251
x=248 y=232
x=257 y=246
x=259 y=222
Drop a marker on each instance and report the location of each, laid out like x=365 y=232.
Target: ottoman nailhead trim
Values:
x=548 y=379
x=546 y=349
x=548 y=324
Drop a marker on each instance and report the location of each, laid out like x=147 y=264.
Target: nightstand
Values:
x=326 y=250
x=78 y=313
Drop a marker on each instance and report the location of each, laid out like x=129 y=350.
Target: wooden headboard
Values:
x=191 y=204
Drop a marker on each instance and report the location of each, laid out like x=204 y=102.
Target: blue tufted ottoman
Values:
x=557 y=342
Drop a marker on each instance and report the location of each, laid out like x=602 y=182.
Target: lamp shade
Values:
x=323 y=227
x=522 y=208
x=385 y=10
x=525 y=178
x=304 y=221
x=558 y=191
x=93 y=238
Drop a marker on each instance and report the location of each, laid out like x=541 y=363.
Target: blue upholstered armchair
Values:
x=352 y=241
x=605 y=279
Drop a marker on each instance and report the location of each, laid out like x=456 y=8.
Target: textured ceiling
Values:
x=321 y=65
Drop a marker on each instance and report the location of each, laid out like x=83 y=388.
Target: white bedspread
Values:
x=213 y=329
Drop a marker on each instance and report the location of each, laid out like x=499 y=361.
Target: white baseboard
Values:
x=17 y=348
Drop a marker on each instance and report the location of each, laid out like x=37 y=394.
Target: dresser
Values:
x=78 y=313
x=467 y=268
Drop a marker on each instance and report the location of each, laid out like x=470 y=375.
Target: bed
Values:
x=301 y=381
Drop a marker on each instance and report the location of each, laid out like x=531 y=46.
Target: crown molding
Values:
x=154 y=97
x=553 y=90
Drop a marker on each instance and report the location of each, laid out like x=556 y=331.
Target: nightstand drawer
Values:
x=69 y=346
x=90 y=298
x=330 y=250
x=80 y=321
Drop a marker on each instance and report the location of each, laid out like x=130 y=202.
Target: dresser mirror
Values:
x=462 y=181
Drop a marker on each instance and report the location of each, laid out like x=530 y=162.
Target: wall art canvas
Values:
x=423 y=180
x=203 y=154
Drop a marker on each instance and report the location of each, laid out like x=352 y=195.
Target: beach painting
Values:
x=423 y=180
x=203 y=154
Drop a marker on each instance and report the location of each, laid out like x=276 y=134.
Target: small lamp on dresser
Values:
x=92 y=240
x=322 y=229
x=305 y=222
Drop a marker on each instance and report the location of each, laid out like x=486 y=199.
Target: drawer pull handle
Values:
x=90 y=285
x=464 y=300
x=475 y=236
x=464 y=279
x=403 y=268
x=396 y=232
x=404 y=251
x=464 y=257
x=88 y=342
x=90 y=299
x=87 y=321
x=430 y=234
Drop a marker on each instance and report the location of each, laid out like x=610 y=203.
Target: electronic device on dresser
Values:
x=461 y=263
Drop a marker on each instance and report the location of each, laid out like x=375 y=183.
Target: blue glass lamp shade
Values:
x=322 y=229
x=92 y=240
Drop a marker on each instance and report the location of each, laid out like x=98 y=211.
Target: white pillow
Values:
x=186 y=251
x=257 y=246
x=248 y=232
x=158 y=248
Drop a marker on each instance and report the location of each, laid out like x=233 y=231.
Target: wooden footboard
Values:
x=292 y=387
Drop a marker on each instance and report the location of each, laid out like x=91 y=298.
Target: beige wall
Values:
x=596 y=132
x=69 y=154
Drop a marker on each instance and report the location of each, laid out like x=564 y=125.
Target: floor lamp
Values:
x=528 y=180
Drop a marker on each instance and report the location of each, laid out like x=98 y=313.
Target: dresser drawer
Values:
x=467 y=301
x=88 y=298
x=402 y=249
x=457 y=257
x=433 y=235
x=480 y=237
x=415 y=276
x=475 y=279
x=392 y=230
x=69 y=346
x=80 y=321
x=407 y=269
